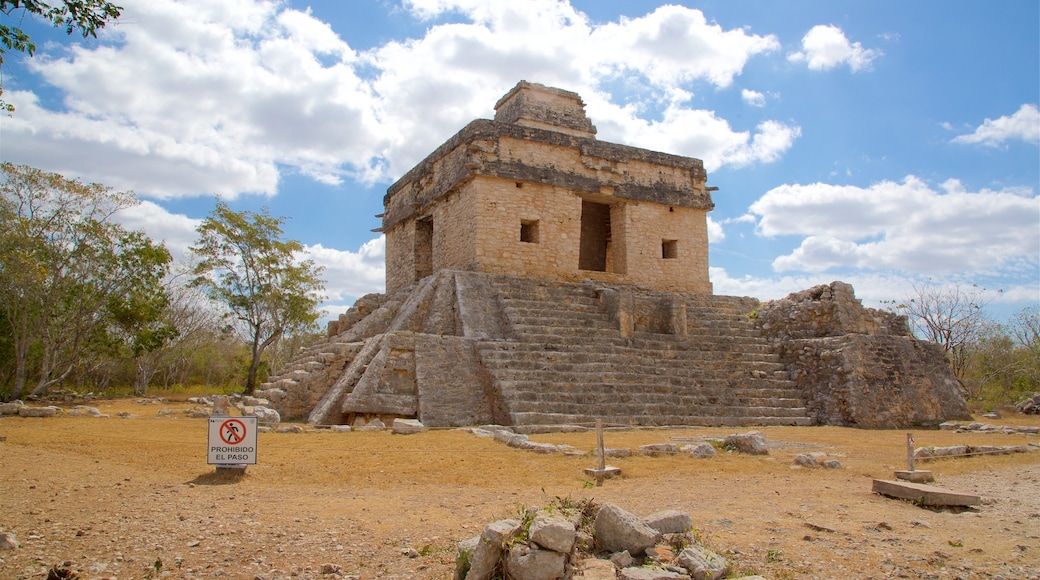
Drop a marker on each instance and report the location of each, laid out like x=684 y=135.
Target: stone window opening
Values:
x=529 y=231
x=669 y=249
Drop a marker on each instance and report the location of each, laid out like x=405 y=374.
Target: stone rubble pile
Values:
x=1030 y=406
x=985 y=428
x=927 y=453
x=585 y=540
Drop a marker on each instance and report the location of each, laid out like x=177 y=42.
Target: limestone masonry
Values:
x=537 y=276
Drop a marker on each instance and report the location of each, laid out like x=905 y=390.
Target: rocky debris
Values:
x=479 y=557
x=265 y=416
x=8 y=541
x=407 y=427
x=658 y=449
x=703 y=564
x=816 y=460
x=991 y=415
x=27 y=411
x=927 y=453
x=699 y=451
x=373 y=425
x=548 y=544
x=617 y=452
x=986 y=428
x=617 y=530
x=289 y=429
x=752 y=443
x=86 y=411
x=11 y=408
x=1029 y=406
x=670 y=522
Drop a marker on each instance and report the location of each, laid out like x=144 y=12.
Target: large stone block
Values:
x=617 y=530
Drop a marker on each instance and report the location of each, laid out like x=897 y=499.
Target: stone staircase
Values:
x=569 y=363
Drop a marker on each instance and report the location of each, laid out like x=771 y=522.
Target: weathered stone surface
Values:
x=11 y=408
x=658 y=449
x=553 y=534
x=464 y=557
x=1030 y=405
x=622 y=559
x=650 y=574
x=8 y=541
x=488 y=550
x=617 y=530
x=701 y=563
x=221 y=405
x=526 y=562
x=266 y=417
x=669 y=521
x=596 y=569
x=805 y=460
x=701 y=450
x=27 y=411
x=617 y=452
x=250 y=401
x=752 y=443
x=374 y=425
x=407 y=427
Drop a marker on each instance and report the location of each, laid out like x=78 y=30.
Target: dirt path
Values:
x=133 y=498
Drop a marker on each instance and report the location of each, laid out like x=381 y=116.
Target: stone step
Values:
x=708 y=389
x=606 y=351
x=618 y=420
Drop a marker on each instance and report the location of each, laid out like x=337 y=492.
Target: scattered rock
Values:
x=407 y=427
x=8 y=541
x=290 y=429
x=11 y=408
x=553 y=534
x=752 y=443
x=265 y=416
x=669 y=522
x=617 y=530
x=530 y=563
x=374 y=425
x=703 y=564
x=702 y=451
x=658 y=449
x=650 y=574
x=26 y=411
x=1029 y=406
x=805 y=460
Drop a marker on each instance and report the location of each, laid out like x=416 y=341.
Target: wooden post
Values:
x=602 y=453
x=910 y=451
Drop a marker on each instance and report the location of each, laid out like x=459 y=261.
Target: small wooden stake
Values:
x=910 y=451
x=602 y=453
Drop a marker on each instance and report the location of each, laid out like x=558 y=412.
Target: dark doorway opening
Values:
x=595 y=236
x=423 y=247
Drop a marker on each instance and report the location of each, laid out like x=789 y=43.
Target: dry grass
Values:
x=358 y=499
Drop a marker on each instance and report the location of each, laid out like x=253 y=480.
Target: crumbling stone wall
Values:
x=860 y=367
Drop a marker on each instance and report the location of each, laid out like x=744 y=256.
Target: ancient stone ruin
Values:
x=538 y=276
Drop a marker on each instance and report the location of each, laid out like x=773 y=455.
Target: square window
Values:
x=529 y=231
x=669 y=249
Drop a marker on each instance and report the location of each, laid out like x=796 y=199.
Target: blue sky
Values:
x=886 y=144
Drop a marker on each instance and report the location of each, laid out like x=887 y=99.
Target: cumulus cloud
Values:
x=825 y=47
x=906 y=226
x=349 y=275
x=1024 y=124
x=753 y=98
x=222 y=97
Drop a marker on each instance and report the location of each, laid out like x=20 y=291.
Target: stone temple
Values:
x=536 y=276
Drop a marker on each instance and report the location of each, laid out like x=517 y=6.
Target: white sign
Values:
x=232 y=441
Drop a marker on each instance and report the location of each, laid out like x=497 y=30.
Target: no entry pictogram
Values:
x=232 y=431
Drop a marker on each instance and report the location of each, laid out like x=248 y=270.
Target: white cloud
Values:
x=177 y=231
x=208 y=97
x=350 y=275
x=753 y=98
x=715 y=232
x=904 y=226
x=1024 y=125
x=825 y=47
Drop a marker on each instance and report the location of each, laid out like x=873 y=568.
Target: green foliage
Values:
x=75 y=286
x=86 y=16
x=244 y=264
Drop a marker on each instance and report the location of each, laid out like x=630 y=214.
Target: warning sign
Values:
x=232 y=441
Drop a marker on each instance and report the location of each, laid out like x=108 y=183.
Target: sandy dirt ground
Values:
x=134 y=497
